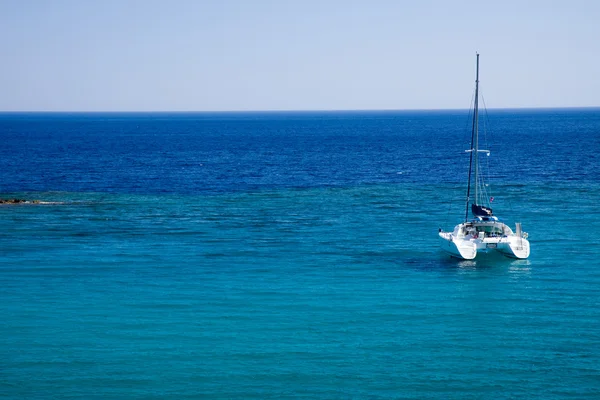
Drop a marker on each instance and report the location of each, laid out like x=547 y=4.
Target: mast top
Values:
x=477 y=76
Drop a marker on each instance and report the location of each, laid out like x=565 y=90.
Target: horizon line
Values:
x=285 y=110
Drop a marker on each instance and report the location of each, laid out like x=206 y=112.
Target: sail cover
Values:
x=481 y=211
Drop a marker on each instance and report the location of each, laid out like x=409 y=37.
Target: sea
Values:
x=295 y=255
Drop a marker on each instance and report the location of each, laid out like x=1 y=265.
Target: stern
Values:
x=458 y=248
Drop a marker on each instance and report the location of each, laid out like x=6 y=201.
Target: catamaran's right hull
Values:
x=514 y=247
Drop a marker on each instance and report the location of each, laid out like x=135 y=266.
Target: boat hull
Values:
x=515 y=247
x=468 y=248
x=461 y=249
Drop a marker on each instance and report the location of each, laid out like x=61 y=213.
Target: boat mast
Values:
x=474 y=143
x=476 y=123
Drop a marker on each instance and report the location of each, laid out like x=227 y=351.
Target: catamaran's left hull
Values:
x=462 y=249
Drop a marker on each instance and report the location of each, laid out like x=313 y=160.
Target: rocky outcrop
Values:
x=18 y=201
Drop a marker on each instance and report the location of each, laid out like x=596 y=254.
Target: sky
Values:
x=244 y=55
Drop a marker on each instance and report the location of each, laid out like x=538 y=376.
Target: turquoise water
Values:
x=324 y=289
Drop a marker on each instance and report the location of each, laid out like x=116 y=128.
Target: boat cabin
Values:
x=482 y=228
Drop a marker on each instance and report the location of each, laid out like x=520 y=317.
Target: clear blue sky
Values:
x=194 y=55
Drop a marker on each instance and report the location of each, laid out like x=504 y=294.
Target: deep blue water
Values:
x=294 y=255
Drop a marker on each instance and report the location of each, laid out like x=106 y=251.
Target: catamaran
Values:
x=483 y=232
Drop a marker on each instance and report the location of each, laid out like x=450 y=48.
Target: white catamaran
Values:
x=483 y=232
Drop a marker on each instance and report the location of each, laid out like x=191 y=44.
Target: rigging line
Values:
x=449 y=209
x=471 y=109
x=459 y=156
x=486 y=123
x=466 y=134
x=471 y=162
x=507 y=198
x=468 y=121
